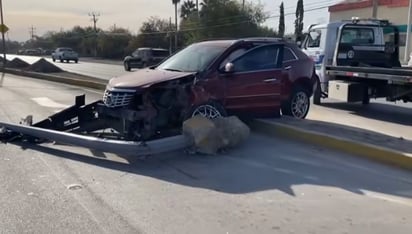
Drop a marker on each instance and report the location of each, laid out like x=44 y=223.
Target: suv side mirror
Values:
x=229 y=68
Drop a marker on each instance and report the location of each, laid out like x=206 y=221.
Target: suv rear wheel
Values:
x=126 y=66
x=298 y=104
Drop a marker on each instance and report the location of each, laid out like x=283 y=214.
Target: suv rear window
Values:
x=160 y=53
x=358 y=36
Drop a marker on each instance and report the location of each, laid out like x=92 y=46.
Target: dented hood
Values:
x=145 y=78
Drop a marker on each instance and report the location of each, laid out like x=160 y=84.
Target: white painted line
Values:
x=47 y=102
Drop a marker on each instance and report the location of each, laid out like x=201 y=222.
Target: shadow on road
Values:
x=378 y=111
x=278 y=165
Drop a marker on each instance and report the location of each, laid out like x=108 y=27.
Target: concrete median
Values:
x=386 y=149
x=62 y=77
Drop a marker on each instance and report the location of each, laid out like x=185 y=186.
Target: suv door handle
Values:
x=270 y=80
x=288 y=68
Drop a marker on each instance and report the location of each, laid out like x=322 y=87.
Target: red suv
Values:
x=254 y=77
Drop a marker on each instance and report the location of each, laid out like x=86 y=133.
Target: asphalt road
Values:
x=268 y=185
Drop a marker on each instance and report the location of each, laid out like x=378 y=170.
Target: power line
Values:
x=234 y=23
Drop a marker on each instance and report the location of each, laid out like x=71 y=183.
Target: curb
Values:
x=376 y=153
x=89 y=82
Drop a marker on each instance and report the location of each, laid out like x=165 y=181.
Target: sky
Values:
x=55 y=15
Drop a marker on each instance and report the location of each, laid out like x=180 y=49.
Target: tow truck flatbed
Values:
x=392 y=75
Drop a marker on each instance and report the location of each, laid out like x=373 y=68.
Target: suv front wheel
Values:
x=298 y=104
x=210 y=110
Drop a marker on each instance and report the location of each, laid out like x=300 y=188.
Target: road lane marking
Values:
x=47 y=102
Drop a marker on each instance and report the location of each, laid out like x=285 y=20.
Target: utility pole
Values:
x=243 y=5
x=94 y=19
x=375 y=8
x=2 y=35
x=170 y=36
x=176 y=27
x=32 y=32
x=408 y=33
x=197 y=9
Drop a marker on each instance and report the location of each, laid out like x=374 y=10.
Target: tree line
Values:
x=209 y=19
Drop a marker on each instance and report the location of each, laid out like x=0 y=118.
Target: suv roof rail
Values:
x=274 y=39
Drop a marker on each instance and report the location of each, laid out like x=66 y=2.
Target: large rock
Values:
x=210 y=136
x=203 y=134
x=232 y=131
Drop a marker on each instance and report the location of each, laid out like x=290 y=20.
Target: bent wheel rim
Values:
x=207 y=111
x=300 y=105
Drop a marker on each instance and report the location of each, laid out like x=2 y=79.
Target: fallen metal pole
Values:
x=105 y=145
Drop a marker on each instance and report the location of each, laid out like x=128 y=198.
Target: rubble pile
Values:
x=44 y=66
x=17 y=63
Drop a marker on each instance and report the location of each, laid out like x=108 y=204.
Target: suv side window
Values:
x=288 y=55
x=260 y=58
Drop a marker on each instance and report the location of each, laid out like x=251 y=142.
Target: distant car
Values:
x=33 y=52
x=65 y=54
x=144 y=57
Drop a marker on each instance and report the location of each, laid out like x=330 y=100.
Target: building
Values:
x=396 y=11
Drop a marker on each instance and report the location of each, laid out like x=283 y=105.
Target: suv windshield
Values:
x=194 y=58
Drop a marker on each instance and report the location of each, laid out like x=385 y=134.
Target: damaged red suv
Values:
x=253 y=77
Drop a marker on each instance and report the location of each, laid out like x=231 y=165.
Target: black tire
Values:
x=54 y=60
x=291 y=108
x=61 y=60
x=126 y=66
x=218 y=107
x=365 y=99
x=76 y=61
x=317 y=95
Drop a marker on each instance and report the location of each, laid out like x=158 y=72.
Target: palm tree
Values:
x=187 y=8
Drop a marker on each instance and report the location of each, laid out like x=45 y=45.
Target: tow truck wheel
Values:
x=317 y=95
x=298 y=104
x=209 y=110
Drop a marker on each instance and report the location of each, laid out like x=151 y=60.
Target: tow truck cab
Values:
x=356 y=43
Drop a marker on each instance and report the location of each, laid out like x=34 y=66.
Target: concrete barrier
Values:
x=82 y=81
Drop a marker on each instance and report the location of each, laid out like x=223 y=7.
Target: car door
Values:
x=253 y=86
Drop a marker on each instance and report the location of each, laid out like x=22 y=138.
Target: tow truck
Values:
x=358 y=59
